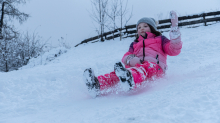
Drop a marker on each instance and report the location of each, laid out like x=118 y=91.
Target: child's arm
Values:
x=173 y=46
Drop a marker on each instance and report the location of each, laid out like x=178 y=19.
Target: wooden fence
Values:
x=130 y=30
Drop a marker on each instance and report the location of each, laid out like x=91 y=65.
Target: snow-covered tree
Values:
x=10 y=12
x=8 y=34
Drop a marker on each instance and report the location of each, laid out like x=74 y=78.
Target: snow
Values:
x=55 y=91
x=46 y=58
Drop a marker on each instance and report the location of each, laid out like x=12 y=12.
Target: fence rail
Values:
x=163 y=24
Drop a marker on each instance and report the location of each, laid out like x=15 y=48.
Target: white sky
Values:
x=70 y=18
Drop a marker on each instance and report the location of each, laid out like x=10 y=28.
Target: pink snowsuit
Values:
x=154 y=50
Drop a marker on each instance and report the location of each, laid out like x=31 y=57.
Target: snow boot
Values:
x=91 y=82
x=125 y=76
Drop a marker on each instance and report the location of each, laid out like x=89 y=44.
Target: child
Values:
x=145 y=60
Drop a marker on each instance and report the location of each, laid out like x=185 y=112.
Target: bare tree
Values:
x=123 y=11
x=113 y=14
x=99 y=8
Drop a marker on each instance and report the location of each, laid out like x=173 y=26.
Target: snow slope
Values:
x=55 y=91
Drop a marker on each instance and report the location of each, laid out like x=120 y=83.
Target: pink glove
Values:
x=174 y=18
x=134 y=61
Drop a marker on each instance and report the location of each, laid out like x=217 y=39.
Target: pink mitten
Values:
x=174 y=18
x=134 y=61
x=174 y=32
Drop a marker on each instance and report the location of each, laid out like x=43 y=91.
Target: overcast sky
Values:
x=70 y=18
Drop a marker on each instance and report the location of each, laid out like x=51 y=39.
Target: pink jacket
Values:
x=154 y=46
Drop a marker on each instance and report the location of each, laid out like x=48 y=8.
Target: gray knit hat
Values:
x=150 y=21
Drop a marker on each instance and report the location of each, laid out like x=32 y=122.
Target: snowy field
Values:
x=54 y=92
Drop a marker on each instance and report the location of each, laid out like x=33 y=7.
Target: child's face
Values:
x=143 y=28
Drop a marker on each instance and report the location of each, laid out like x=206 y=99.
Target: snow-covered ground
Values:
x=54 y=92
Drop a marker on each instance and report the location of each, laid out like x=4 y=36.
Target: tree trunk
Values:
x=6 y=66
x=2 y=17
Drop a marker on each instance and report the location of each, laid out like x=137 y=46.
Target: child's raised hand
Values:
x=174 y=18
x=174 y=32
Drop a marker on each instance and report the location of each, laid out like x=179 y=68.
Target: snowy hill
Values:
x=55 y=91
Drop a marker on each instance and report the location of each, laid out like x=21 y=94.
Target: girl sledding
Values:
x=145 y=59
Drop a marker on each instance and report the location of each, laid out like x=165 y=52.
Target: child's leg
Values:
x=108 y=80
x=145 y=71
x=140 y=73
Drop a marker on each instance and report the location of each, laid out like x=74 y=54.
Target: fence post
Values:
x=126 y=31
x=102 y=39
x=203 y=15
